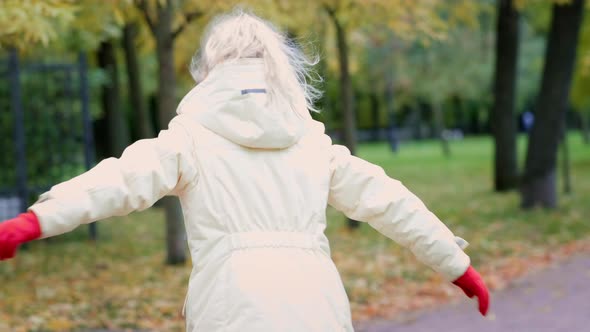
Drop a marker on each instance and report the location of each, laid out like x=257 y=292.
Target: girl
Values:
x=254 y=174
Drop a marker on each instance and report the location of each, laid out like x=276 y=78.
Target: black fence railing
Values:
x=45 y=129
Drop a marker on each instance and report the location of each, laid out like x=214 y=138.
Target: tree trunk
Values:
x=416 y=111
x=175 y=232
x=388 y=94
x=539 y=187
x=474 y=124
x=459 y=114
x=566 y=165
x=325 y=103
x=439 y=129
x=138 y=102
x=565 y=156
x=350 y=135
x=503 y=120
x=116 y=123
x=584 y=127
x=375 y=114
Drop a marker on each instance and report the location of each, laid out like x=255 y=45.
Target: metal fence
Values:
x=45 y=129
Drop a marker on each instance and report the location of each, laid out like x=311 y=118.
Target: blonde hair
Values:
x=240 y=34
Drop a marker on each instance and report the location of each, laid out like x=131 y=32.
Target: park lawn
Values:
x=120 y=281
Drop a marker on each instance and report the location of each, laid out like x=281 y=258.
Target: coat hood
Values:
x=233 y=102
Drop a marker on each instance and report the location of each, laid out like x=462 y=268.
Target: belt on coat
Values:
x=246 y=240
x=215 y=249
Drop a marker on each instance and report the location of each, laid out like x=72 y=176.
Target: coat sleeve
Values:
x=362 y=191
x=146 y=171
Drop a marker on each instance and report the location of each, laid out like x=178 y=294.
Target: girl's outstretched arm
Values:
x=146 y=171
x=364 y=192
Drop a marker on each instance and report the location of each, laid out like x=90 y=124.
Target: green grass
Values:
x=121 y=279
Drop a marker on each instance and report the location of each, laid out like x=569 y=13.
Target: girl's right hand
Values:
x=472 y=284
x=17 y=231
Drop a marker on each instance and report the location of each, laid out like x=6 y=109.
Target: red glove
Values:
x=17 y=231
x=472 y=284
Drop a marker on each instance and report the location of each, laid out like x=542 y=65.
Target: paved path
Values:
x=553 y=300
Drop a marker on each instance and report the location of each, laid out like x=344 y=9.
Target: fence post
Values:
x=86 y=118
x=19 y=129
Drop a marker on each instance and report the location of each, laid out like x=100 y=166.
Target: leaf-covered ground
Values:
x=120 y=282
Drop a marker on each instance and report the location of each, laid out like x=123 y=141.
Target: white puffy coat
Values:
x=254 y=184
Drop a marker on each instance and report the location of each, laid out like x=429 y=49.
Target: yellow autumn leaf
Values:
x=59 y=324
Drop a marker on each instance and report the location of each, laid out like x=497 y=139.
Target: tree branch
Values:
x=188 y=18
x=331 y=11
x=332 y=14
x=143 y=6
